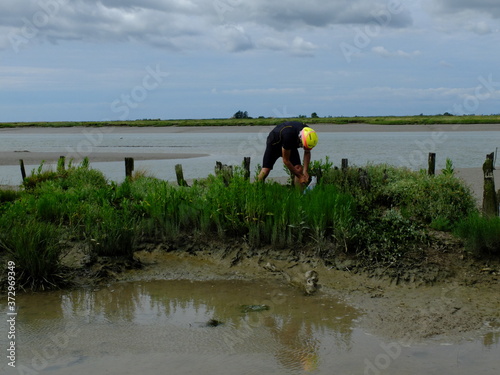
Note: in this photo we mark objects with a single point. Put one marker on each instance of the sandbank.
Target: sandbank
(34, 158)
(341, 128)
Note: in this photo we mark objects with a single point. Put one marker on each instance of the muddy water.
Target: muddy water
(160, 327)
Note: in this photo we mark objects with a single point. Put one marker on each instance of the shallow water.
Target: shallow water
(159, 327)
(465, 148)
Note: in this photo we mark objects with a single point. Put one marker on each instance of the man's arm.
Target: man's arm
(297, 172)
(307, 160)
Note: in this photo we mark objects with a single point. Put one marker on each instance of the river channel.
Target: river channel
(198, 150)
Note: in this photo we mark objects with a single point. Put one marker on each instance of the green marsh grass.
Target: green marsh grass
(480, 234)
(443, 199)
(35, 248)
(376, 120)
(262, 213)
(396, 206)
(110, 232)
(377, 213)
(8, 195)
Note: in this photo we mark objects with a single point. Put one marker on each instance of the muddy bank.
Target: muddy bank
(449, 297)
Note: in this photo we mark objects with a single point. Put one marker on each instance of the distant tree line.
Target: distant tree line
(244, 114)
(241, 114)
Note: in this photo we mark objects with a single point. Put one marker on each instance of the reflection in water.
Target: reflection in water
(291, 329)
(160, 327)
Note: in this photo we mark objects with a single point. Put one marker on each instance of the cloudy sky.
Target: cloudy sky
(72, 60)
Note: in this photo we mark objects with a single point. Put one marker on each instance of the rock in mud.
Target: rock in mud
(210, 323)
(270, 267)
(254, 308)
(213, 323)
(311, 282)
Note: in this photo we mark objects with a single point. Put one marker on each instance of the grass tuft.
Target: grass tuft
(35, 248)
(480, 234)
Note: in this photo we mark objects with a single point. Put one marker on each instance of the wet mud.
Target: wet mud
(159, 311)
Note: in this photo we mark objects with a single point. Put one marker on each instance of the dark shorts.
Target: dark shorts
(274, 152)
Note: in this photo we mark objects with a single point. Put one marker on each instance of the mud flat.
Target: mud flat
(455, 297)
(35, 158)
(324, 127)
(156, 314)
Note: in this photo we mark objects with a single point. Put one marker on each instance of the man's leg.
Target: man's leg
(272, 153)
(264, 172)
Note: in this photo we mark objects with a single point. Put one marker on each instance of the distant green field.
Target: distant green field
(385, 120)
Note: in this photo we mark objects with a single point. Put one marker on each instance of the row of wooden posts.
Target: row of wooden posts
(219, 168)
(226, 171)
(491, 198)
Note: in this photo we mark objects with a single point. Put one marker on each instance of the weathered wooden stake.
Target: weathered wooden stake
(246, 167)
(319, 175)
(226, 171)
(129, 167)
(218, 167)
(180, 175)
(490, 202)
(432, 164)
(345, 164)
(364, 179)
(23, 171)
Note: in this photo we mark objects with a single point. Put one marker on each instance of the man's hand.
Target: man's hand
(306, 175)
(304, 178)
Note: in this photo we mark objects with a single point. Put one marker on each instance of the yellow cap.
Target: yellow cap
(309, 138)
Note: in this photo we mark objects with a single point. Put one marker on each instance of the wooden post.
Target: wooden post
(319, 175)
(432, 164)
(129, 167)
(246, 167)
(364, 179)
(180, 175)
(23, 171)
(226, 171)
(218, 168)
(345, 164)
(490, 203)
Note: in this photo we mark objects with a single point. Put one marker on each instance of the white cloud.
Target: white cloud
(235, 38)
(182, 24)
(290, 14)
(297, 47)
(383, 52)
(474, 16)
(479, 27)
(99, 48)
(273, 43)
(301, 47)
(489, 7)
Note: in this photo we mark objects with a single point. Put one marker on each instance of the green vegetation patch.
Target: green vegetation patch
(480, 234)
(378, 214)
(446, 119)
